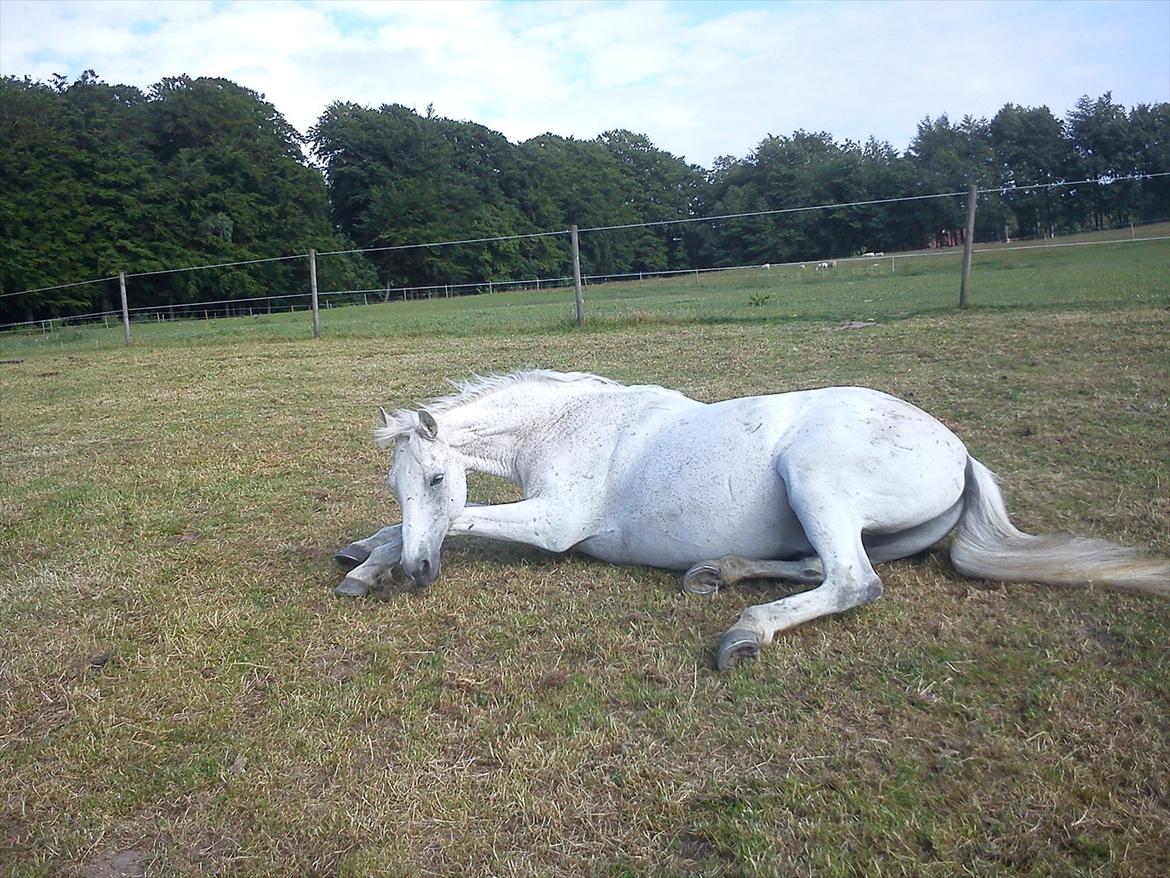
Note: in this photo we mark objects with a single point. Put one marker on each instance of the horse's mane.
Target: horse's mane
(479, 386)
(400, 422)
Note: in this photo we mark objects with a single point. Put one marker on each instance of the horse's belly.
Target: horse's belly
(682, 510)
(676, 546)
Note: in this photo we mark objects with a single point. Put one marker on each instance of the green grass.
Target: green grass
(179, 687)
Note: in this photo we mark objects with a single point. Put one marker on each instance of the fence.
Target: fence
(310, 298)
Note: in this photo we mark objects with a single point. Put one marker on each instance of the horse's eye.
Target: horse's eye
(435, 480)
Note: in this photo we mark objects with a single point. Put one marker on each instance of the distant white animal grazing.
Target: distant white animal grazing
(814, 486)
(821, 266)
(767, 266)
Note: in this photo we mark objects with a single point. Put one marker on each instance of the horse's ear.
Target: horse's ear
(385, 417)
(427, 424)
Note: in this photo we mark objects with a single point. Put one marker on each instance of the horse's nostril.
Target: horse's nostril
(424, 567)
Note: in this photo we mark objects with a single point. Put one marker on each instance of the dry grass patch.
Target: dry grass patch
(179, 688)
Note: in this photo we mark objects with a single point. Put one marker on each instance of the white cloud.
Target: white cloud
(700, 80)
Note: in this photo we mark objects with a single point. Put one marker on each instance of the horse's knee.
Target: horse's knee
(845, 594)
(870, 590)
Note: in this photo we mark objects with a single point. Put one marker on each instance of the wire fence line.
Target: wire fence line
(554, 234)
(257, 305)
(238, 306)
(1001, 190)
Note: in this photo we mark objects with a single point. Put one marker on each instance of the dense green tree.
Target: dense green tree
(1107, 141)
(70, 174)
(579, 182)
(1102, 147)
(788, 174)
(1031, 148)
(659, 187)
(1149, 128)
(97, 178)
(397, 178)
(947, 158)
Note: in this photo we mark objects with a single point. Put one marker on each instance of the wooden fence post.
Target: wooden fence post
(313, 288)
(125, 307)
(577, 276)
(964, 284)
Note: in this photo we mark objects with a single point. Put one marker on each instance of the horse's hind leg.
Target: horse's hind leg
(357, 552)
(849, 581)
(707, 577)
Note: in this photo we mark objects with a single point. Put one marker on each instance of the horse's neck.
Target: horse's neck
(493, 432)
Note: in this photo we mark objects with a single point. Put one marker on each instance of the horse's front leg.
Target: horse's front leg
(537, 522)
(358, 551)
(381, 552)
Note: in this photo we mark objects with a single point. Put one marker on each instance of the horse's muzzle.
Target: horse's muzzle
(422, 573)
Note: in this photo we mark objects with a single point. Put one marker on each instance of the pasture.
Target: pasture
(182, 694)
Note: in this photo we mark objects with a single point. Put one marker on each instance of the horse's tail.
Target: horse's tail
(988, 546)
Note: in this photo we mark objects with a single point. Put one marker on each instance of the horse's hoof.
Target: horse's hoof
(737, 645)
(351, 556)
(702, 579)
(351, 588)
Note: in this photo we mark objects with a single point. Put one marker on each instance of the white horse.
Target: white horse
(814, 486)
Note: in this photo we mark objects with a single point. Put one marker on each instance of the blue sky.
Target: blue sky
(701, 79)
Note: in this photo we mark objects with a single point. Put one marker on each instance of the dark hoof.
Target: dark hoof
(351, 556)
(351, 588)
(738, 645)
(702, 579)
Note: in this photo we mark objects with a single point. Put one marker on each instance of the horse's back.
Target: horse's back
(839, 419)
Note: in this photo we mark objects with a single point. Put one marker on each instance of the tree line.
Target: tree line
(97, 178)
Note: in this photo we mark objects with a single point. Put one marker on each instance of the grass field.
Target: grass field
(181, 694)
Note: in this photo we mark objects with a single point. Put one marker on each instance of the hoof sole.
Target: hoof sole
(702, 580)
(351, 588)
(737, 646)
(351, 556)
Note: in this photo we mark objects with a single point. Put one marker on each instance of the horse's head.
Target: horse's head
(430, 482)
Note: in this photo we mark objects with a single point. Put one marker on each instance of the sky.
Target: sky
(700, 79)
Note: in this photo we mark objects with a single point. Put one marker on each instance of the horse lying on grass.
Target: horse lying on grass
(814, 486)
